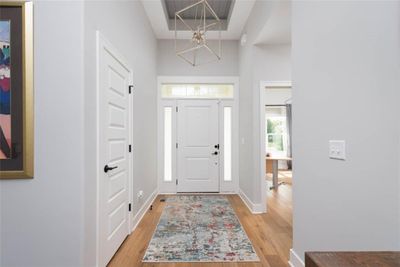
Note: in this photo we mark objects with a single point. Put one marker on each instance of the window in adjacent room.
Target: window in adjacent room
(276, 130)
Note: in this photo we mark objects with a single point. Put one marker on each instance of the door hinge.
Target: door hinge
(176, 181)
(130, 89)
(177, 145)
(129, 207)
(130, 148)
(176, 109)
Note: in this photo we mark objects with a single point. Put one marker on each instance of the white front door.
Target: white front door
(114, 79)
(198, 153)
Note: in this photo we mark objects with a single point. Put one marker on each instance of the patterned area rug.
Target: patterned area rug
(199, 228)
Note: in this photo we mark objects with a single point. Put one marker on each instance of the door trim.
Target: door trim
(226, 187)
(103, 43)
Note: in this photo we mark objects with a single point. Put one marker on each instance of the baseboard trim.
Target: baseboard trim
(142, 211)
(254, 208)
(295, 260)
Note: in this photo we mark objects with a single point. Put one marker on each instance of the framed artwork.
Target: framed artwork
(16, 90)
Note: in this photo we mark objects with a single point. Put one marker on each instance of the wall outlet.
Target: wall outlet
(140, 194)
(337, 149)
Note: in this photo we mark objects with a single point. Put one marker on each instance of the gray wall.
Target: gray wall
(41, 219)
(49, 221)
(128, 29)
(168, 64)
(346, 66)
(256, 63)
(271, 63)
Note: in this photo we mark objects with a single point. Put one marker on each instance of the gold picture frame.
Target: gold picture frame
(27, 170)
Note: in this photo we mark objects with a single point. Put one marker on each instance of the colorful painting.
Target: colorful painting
(198, 228)
(16, 90)
(5, 91)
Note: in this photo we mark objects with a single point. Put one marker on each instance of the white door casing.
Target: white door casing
(114, 78)
(198, 158)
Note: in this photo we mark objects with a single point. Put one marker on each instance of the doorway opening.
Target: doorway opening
(198, 144)
(276, 146)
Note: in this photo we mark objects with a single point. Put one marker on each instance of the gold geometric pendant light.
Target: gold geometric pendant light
(199, 19)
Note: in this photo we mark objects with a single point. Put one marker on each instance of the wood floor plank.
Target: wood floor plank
(270, 234)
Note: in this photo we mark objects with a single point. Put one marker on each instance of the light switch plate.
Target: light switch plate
(337, 149)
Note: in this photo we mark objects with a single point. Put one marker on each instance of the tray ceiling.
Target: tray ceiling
(233, 13)
(221, 7)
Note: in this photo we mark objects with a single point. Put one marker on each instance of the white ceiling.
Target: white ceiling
(277, 29)
(158, 19)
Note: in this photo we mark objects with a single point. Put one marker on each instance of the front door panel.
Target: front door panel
(198, 158)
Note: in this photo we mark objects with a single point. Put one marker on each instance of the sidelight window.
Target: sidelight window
(168, 144)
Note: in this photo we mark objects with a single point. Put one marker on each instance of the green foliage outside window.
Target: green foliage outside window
(275, 131)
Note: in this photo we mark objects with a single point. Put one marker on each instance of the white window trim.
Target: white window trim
(169, 186)
(225, 186)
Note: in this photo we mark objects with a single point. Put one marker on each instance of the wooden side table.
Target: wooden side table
(275, 161)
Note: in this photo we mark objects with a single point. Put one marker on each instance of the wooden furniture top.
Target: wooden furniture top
(352, 259)
(277, 158)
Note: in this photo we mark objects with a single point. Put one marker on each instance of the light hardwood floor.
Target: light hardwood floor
(270, 233)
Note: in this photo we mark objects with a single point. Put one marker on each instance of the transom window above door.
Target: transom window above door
(208, 91)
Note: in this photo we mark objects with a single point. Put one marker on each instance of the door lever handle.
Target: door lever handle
(107, 168)
(215, 153)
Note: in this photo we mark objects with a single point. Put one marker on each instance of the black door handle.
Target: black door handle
(107, 168)
(215, 153)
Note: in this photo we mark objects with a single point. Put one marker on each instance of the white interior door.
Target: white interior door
(114, 79)
(198, 153)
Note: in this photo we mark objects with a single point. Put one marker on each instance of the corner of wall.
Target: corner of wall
(255, 208)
